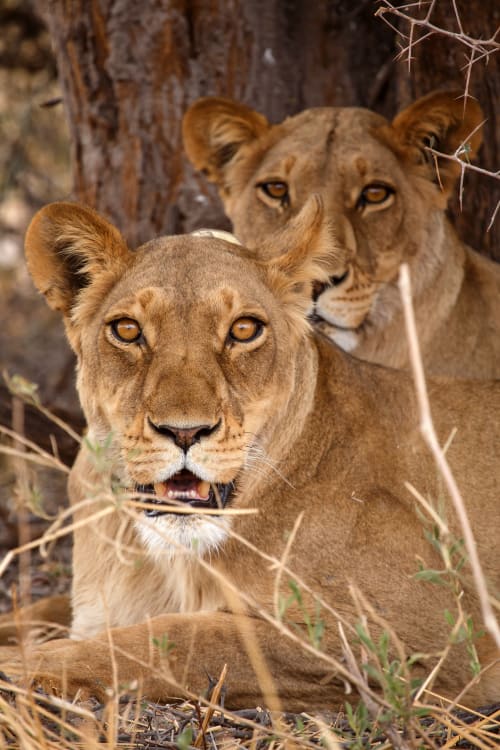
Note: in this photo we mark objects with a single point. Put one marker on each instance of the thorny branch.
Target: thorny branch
(422, 28)
(486, 47)
(460, 156)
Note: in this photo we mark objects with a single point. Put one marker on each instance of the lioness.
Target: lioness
(385, 197)
(198, 370)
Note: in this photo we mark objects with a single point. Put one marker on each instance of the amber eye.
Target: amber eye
(277, 190)
(374, 194)
(245, 329)
(126, 330)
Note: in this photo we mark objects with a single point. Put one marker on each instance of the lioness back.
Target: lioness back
(386, 203)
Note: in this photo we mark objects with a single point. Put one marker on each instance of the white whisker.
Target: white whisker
(257, 455)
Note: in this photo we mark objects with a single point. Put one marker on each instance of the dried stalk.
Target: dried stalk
(430, 437)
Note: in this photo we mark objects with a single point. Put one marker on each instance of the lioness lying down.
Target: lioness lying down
(197, 369)
(385, 200)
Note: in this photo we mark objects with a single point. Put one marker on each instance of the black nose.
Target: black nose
(185, 437)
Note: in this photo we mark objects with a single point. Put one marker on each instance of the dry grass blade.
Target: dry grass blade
(27, 392)
(216, 692)
(56, 535)
(430, 437)
(21, 492)
(480, 730)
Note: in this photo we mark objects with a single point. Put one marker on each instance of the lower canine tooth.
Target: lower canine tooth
(203, 489)
(160, 489)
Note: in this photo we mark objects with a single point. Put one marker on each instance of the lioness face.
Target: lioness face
(339, 154)
(189, 362)
(383, 198)
(179, 347)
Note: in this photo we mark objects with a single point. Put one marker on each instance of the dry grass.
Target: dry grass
(34, 719)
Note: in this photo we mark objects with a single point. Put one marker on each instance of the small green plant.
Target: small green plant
(464, 632)
(103, 459)
(163, 644)
(359, 722)
(452, 552)
(34, 500)
(392, 675)
(99, 451)
(315, 625)
(185, 738)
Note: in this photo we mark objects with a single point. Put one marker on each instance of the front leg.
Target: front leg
(47, 617)
(170, 657)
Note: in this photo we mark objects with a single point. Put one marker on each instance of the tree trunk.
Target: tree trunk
(129, 70)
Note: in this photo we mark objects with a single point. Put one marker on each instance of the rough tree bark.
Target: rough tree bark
(129, 70)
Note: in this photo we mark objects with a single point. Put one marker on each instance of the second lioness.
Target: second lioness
(386, 203)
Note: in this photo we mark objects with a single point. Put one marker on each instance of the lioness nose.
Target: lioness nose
(185, 437)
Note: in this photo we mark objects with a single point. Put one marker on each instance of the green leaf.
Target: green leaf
(299, 724)
(163, 644)
(185, 739)
(372, 672)
(318, 632)
(416, 657)
(449, 617)
(365, 638)
(295, 591)
(433, 576)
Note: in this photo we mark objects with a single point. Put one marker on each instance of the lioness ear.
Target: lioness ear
(214, 129)
(66, 245)
(302, 253)
(440, 120)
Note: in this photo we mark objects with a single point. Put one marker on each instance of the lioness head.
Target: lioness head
(384, 193)
(182, 346)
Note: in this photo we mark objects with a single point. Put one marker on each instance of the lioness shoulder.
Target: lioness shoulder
(385, 196)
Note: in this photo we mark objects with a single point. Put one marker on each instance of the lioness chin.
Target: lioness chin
(275, 467)
(385, 196)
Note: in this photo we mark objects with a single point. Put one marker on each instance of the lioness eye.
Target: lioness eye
(277, 190)
(126, 330)
(373, 194)
(245, 329)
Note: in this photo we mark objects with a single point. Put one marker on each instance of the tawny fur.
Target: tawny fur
(311, 437)
(339, 152)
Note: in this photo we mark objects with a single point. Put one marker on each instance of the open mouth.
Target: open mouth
(184, 488)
